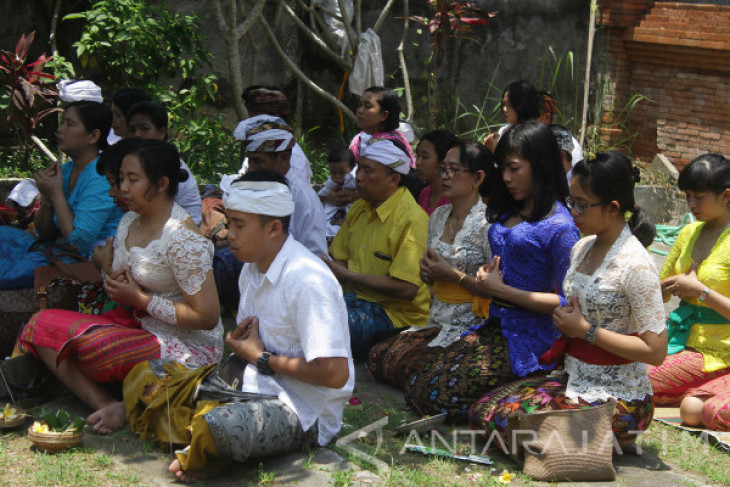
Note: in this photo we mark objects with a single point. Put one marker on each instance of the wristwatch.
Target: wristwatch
(590, 335)
(262, 364)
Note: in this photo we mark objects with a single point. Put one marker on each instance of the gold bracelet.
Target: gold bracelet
(462, 278)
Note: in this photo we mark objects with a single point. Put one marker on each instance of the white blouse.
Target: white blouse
(469, 251)
(176, 262)
(623, 295)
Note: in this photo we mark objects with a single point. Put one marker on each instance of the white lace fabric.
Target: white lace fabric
(168, 268)
(469, 251)
(623, 295)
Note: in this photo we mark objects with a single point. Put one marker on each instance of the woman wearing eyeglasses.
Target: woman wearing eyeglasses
(456, 248)
(530, 237)
(613, 324)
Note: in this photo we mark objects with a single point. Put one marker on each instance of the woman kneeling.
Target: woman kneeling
(696, 373)
(614, 323)
(162, 279)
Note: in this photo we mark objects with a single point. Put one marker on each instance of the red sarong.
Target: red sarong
(106, 347)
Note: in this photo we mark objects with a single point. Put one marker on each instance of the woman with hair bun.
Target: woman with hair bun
(162, 279)
(613, 324)
(696, 372)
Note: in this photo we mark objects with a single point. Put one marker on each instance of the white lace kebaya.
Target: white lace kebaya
(469, 251)
(174, 264)
(623, 295)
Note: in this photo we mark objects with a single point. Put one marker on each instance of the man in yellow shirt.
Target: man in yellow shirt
(376, 253)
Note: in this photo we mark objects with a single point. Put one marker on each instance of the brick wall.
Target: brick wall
(678, 55)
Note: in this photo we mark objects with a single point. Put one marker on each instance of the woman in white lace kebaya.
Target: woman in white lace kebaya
(457, 247)
(614, 323)
(162, 282)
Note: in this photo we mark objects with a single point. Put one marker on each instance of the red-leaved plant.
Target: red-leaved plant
(450, 19)
(27, 97)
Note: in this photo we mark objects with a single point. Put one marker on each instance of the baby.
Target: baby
(339, 191)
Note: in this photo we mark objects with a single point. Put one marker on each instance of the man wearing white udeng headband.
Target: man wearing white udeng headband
(291, 370)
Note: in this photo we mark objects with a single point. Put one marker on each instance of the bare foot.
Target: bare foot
(189, 476)
(109, 418)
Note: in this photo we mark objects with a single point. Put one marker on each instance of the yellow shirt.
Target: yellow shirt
(387, 241)
(713, 341)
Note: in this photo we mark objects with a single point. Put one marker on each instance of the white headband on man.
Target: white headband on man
(70, 90)
(258, 197)
(386, 153)
(245, 126)
(263, 141)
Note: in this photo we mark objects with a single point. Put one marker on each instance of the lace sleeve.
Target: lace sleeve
(191, 257)
(644, 293)
(163, 310)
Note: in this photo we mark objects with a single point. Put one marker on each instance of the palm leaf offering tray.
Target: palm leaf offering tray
(56, 431)
(11, 416)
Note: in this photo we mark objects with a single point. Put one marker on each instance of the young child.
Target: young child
(339, 190)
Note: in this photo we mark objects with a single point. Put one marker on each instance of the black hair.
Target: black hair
(154, 111)
(476, 157)
(536, 143)
(524, 100)
(708, 172)
(126, 97)
(388, 100)
(442, 141)
(94, 116)
(611, 177)
(342, 154)
(274, 177)
(158, 160)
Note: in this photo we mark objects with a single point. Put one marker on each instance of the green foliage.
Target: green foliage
(21, 161)
(134, 42)
(475, 122)
(138, 44)
(61, 422)
(205, 144)
(617, 134)
(342, 478)
(557, 77)
(317, 155)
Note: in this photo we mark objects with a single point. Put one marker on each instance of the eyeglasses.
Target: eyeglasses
(580, 208)
(448, 171)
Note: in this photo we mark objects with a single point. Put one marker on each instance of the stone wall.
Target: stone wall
(677, 54)
(515, 45)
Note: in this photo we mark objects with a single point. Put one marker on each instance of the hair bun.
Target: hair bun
(182, 175)
(636, 174)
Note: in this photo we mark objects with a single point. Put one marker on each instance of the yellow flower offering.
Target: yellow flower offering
(8, 413)
(505, 477)
(40, 427)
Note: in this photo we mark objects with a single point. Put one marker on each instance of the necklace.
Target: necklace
(453, 225)
(142, 239)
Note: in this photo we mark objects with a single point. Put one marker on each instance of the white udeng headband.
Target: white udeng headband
(258, 197)
(70, 90)
(245, 126)
(255, 141)
(387, 154)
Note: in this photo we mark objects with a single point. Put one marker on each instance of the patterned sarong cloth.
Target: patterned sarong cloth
(681, 375)
(396, 359)
(177, 405)
(490, 413)
(106, 347)
(461, 373)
